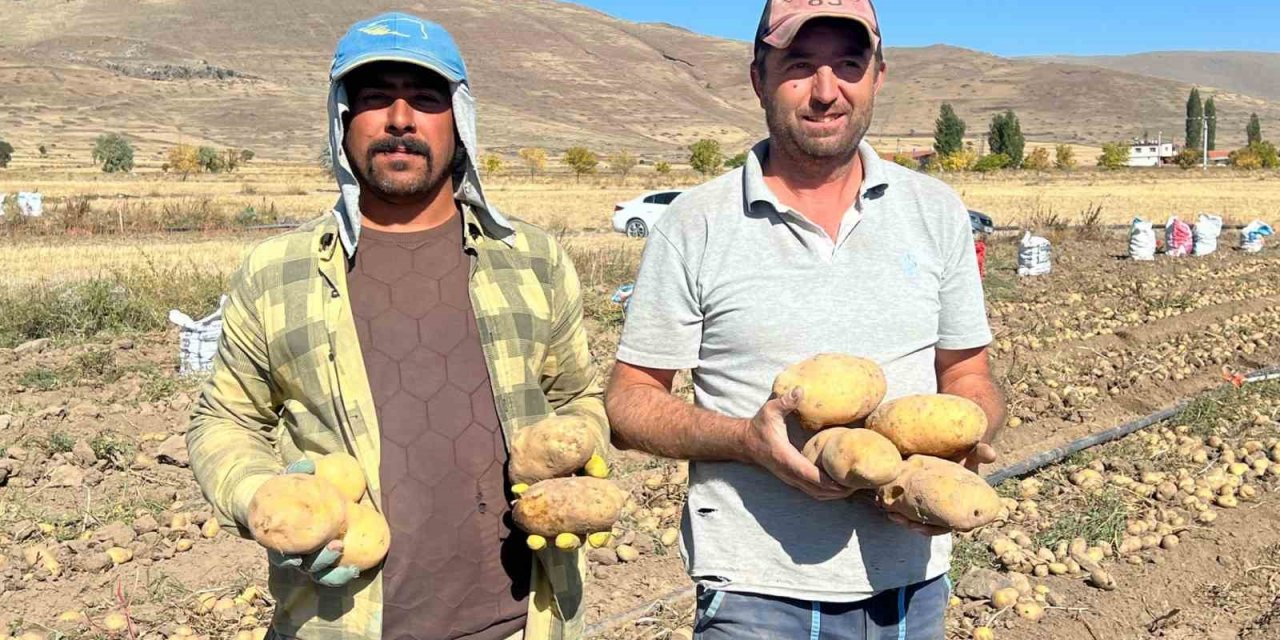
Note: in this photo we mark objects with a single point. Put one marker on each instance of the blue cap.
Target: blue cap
(399, 37)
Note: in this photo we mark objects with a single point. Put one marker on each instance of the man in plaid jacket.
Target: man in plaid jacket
(423, 354)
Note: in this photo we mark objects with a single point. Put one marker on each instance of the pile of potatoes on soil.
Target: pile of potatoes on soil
(1072, 388)
(1130, 502)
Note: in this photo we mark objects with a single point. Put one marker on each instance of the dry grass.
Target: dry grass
(580, 211)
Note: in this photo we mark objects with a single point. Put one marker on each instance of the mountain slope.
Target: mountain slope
(546, 73)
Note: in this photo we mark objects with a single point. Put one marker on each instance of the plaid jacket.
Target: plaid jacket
(289, 381)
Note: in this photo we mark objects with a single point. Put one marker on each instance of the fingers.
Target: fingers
(278, 559)
(787, 404)
(302, 466)
(597, 467)
(985, 453)
(324, 558)
(336, 576)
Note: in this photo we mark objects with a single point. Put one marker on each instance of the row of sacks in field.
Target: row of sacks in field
(1184, 239)
(30, 204)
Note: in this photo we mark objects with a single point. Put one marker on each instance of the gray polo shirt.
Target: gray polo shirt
(736, 286)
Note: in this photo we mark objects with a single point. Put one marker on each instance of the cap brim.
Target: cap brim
(782, 36)
(420, 61)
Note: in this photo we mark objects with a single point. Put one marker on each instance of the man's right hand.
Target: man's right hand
(321, 566)
(766, 444)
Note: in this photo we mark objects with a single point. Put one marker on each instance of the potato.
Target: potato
(838, 389)
(938, 492)
(297, 513)
(368, 538)
(856, 458)
(939, 425)
(579, 506)
(553, 448)
(343, 472)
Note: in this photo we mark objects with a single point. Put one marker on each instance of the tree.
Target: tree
(113, 153)
(737, 161)
(184, 160)
(535, 160)
(1064, 157)
(6, 153)
(622, 163)
(992, 162)
(1259, 155)
(231, 160)
(581, 160)
(962, 160)
(1038, 160)
(44, 151)
(246, 155)
(1254, 131)
(948, 132)
(1211, 116)
(1114, 155)
(1189, 158)
(209, 159)
(1195, 120)
(662, 167)
(491, 164)
(706, 157)
(1005, 137)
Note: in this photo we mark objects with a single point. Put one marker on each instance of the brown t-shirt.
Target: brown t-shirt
(455, 568)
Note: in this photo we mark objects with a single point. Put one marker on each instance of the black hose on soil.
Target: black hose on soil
(1051, 456)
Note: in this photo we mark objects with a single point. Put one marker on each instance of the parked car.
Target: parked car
(636, 217)
(981, 222)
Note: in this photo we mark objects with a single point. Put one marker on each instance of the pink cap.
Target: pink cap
(782, 19)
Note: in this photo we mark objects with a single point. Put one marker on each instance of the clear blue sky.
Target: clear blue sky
(1010, 27)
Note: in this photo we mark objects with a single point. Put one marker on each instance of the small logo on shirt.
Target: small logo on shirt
(910, 267)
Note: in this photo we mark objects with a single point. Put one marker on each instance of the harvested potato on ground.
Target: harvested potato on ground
(856, 458)
(939, 425)
(838, 389)
(553, 448)
(343, 472)
(580, 506)
(297, 513)
(941, 493)
(368, 538)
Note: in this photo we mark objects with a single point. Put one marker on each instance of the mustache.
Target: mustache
(396, 143)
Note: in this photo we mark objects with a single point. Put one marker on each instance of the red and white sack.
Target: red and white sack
(1178, 239)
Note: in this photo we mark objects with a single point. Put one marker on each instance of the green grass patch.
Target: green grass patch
(59, 442)
(40, 379)
(124, 302)
(1097, 517)
(966, 554)
(113, 448)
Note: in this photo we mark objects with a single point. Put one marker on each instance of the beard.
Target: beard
(398, 179)
(786, 128)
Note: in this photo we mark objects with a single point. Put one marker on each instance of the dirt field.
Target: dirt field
(91, 456)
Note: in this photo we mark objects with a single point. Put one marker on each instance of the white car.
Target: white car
(636, 217)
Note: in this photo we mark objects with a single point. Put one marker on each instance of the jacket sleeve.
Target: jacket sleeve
(234, 428)
(569, 378)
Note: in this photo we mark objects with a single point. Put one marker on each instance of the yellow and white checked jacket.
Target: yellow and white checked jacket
(289, 381)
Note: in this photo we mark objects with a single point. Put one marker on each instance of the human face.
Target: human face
(819, 93)
(400, 137)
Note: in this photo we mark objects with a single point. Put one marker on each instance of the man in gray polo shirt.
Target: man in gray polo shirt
(814, 246)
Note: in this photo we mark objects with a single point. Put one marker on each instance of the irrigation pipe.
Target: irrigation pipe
(1029, 465)
(1051, 456)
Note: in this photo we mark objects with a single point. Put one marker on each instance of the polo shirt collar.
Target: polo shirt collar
(875, 177)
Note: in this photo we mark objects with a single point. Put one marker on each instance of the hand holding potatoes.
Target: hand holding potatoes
(553, 505)
(307, 519)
